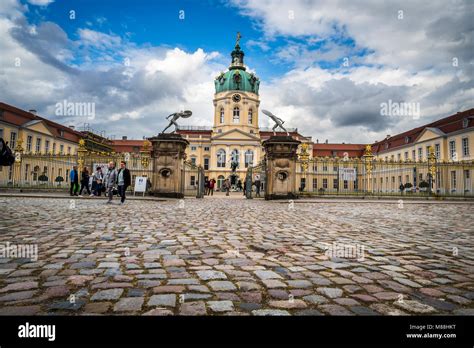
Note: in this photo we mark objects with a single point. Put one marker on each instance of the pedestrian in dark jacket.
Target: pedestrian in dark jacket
(85, 181)
(123, 180)
(74, 178)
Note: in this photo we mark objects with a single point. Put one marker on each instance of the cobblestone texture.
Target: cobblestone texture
(222, 256)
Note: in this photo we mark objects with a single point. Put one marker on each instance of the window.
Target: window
(465, 147)
(334, 168)
(236, 115)
(221, 117)
(27, 170)
(221, 158)
(453, 179)
(465, 123)
(413, 155)
(193, 160)
(325, 183)
(38, 145)
(193, 180)
(315, 184)
(1, 133)
(68, 150)
(420, 153)
(12, 141)
(61, 149)
(302, 184)
(234, 156)
(67, 175)
(406, 155)
(29, 140)
(325, 168)
(399, 157)
(407, 140)
(61, 133)
(250, 116)
(193, 148)
(346, 184)
(452, 150)
(46, 146)
(437, 151)
(206, 148)
(54, 148)
(335, 184)
(427, 151)
(206, 163)
(248, 158)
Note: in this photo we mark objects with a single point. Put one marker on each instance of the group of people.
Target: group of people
(210, 185)
(109, 182)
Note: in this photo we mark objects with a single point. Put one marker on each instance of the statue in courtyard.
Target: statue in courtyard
(174, 118)
(278, 122)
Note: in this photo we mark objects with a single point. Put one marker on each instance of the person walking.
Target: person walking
(227, 186)
(206, 187)
(74, 177)
(84, 181)
(97, 181)
(212, 184)
(257, 184)
(123, 180)
(110, 179)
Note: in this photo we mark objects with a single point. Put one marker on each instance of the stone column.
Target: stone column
(281, 167)
(168, 165)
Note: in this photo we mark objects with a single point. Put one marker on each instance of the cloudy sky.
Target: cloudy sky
(325, 66)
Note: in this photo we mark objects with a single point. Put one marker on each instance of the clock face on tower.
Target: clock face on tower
(236, 98)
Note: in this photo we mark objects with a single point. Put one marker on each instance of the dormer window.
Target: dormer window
(386, 146)
(465, 123)
(407, 140)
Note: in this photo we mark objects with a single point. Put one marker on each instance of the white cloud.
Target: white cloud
(408, 59)
(40, 2)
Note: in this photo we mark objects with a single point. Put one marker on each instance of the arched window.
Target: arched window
(248, 158)
(235, 156)
(221, 117)
(250, 116)
(221, 158)
(236, 115)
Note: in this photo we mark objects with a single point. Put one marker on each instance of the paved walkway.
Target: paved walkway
(236, 257)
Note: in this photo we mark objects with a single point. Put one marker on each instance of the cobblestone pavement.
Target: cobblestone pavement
(221, 256)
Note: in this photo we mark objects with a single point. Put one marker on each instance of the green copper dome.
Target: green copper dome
(236, 78)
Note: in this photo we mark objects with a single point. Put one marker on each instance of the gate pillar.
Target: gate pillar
(281, 167)
(168, 165)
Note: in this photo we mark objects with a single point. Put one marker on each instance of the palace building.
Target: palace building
(235, 136)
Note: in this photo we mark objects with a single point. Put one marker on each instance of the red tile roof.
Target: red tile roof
(447, 125)
(127, 145)
(338, 150)
(19, 117)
